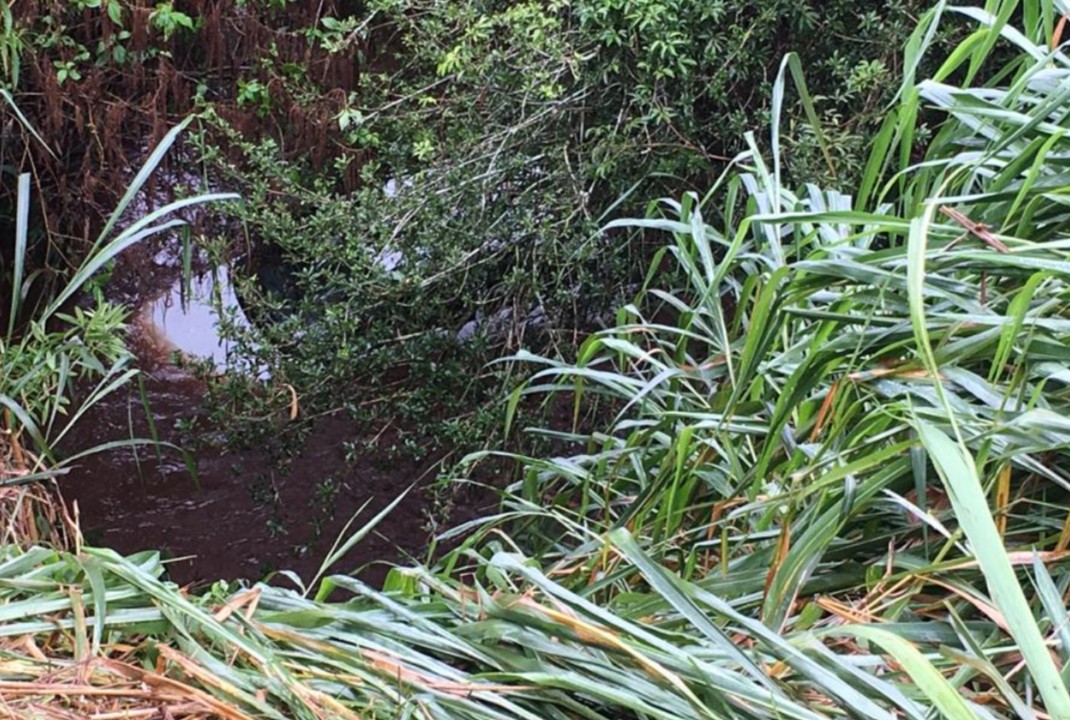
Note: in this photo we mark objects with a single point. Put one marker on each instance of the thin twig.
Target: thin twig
(978, 230)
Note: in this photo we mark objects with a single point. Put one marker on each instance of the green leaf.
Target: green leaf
(926, 677)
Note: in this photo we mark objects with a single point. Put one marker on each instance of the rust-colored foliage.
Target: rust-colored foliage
(101, 125)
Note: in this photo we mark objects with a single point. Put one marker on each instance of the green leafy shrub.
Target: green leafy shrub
(481, 148)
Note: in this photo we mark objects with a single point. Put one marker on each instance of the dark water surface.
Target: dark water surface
(241, 517)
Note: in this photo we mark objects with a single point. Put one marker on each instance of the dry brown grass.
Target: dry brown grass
(99, 688)
(30, 513)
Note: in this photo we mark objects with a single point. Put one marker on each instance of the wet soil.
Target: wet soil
(240, 515)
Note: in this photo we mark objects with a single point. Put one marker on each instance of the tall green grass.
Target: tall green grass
(820, 369)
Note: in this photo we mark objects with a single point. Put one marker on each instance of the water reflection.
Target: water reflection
(187, 323)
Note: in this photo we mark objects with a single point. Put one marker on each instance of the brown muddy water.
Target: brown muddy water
(240, 517)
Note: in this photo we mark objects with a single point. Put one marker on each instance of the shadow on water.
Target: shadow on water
(240, 517)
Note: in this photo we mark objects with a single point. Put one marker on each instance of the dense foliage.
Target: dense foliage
(475, 160)
(835, 484)
(416, 171)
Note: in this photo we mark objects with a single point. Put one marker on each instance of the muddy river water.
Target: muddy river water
(239, 516)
